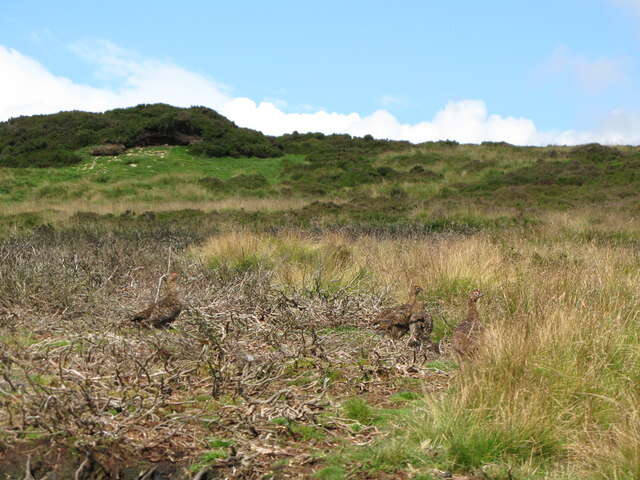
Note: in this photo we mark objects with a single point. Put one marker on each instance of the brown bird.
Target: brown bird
(160, 314)
(466, 336)
(420, 325)
(409, 317)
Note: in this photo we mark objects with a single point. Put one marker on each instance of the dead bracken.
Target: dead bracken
(100, 394)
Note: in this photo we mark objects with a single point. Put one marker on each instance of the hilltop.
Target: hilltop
(52, 140)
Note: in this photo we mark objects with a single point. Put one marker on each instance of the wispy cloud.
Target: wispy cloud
(592, 75)
(392, 100)
(29, 88)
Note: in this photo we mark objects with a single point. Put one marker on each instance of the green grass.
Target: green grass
(440, 187)
(402, 397)
(392, 453)
(219, 449)
(357, 409)
(140, 174)
(330, 473)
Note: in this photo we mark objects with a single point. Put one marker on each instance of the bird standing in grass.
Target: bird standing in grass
(409, 317)
(162, 313)
(420, 325)
(466, 336)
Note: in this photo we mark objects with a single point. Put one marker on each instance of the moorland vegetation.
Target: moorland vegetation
(287, 249)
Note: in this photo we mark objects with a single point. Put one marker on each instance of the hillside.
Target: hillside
(332, 180)
(274, 368)
(195, 155)
(50, 140)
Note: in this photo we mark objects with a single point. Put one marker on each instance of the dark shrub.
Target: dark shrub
(243, 142)
(441, 143)
(248, 181)
(108, 150)
(387, 172)
(398, 192)
(42, 159)
(238, 143)
(595, 152)
(209, 149)
(143, 125)
(496, 144)
(212, 183)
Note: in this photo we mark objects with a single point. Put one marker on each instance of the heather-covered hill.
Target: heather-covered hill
(51, 140)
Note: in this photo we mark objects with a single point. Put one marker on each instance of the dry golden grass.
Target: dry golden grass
(391, 265)
(66, 208)
(554, 391)
(556, 382)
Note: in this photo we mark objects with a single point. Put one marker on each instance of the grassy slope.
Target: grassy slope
(488, 175)
(153, 175)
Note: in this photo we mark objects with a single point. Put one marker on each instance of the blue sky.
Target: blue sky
(561, 71)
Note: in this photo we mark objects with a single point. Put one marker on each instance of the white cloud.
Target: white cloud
(593, 75)
(29, 88)
(617, 128)
(633, 5)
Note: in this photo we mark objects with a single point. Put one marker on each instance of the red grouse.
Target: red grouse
(162, 313)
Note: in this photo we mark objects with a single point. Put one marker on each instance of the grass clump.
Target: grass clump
(471, 441)
(551, 383)
(218, 450)
(401, 397)
(359, 410)
(330, 473)
(298, 262)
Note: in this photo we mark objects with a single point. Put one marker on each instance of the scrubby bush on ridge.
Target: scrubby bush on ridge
(24, 138)
(207, 133)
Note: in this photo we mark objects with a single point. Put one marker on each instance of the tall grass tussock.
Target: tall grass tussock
(553, 393)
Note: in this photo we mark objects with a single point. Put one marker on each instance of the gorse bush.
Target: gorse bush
(109, 149)
(238, 143)
(42, 159)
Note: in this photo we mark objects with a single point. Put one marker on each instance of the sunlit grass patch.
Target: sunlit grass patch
(406, 396)
(209, 458)
(359, 410)
(296, 261)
